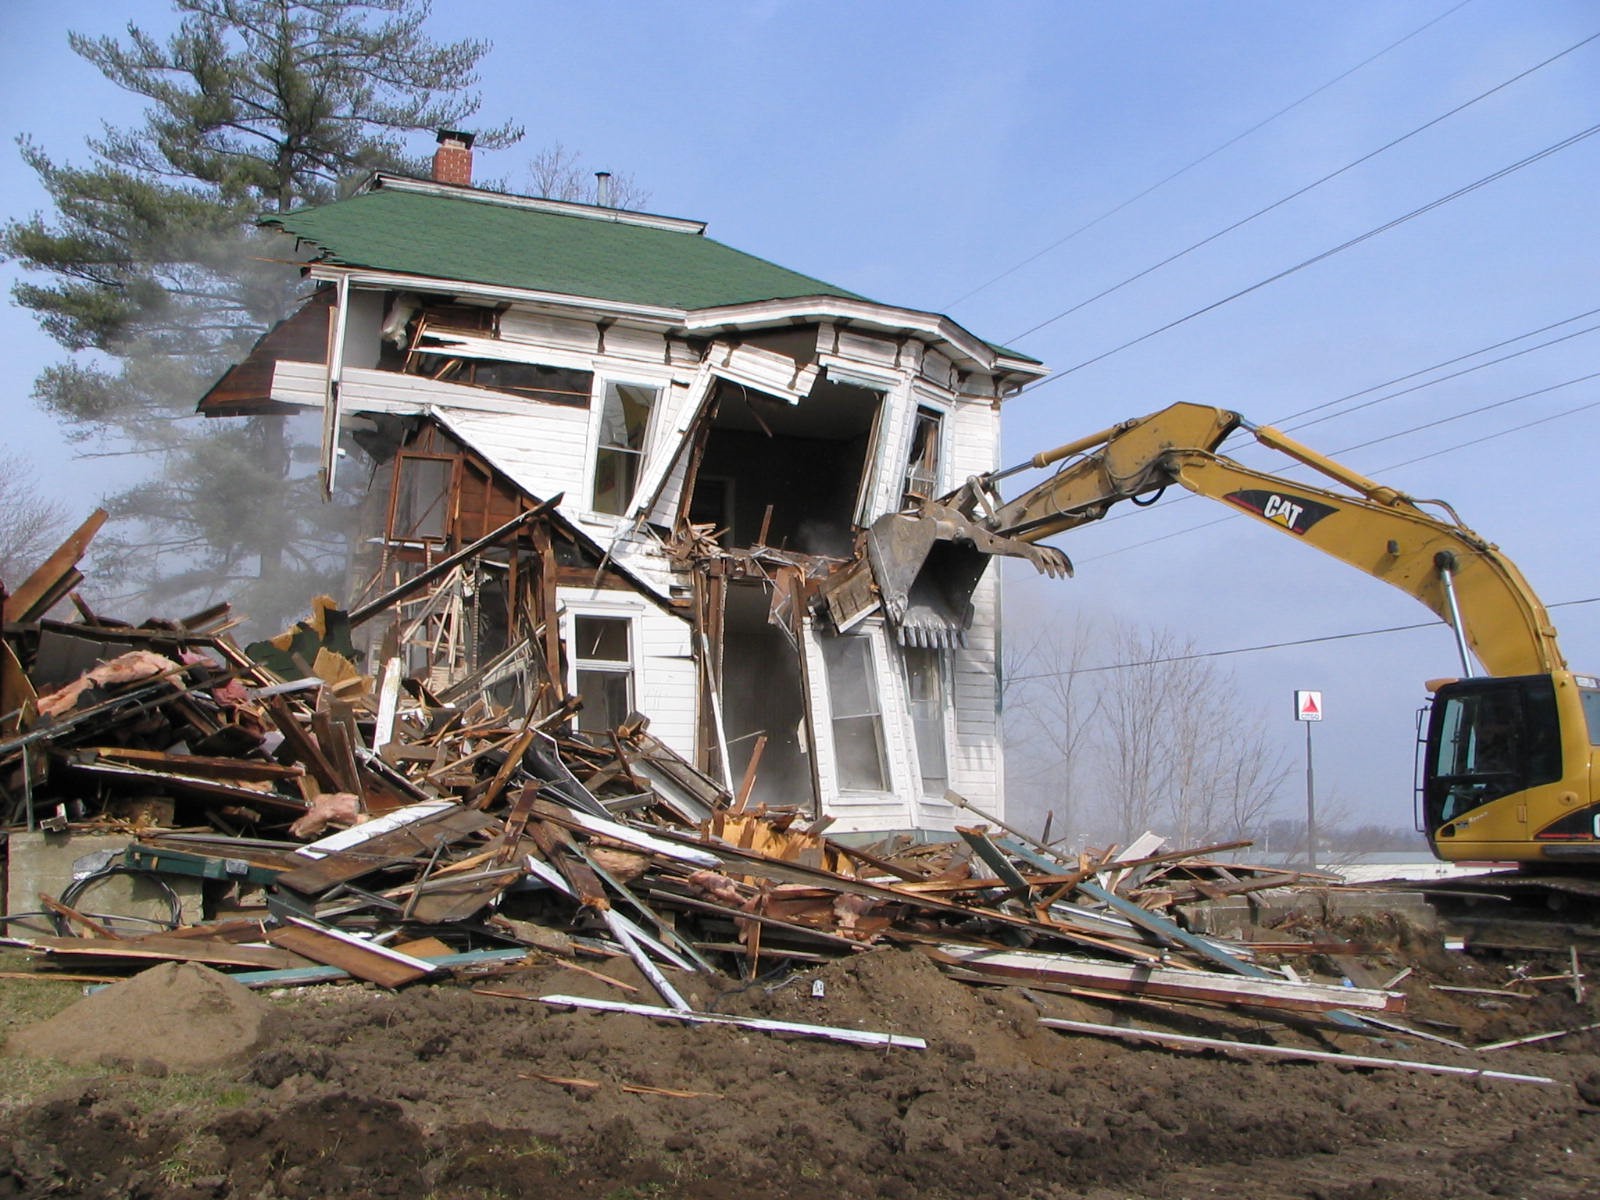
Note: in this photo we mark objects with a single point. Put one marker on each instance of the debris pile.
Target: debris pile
(338, 826)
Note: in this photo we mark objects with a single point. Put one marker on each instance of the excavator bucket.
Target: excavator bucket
(926, 564)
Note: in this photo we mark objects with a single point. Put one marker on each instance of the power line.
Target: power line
(1469, 412)
(1200, 654)
(1450, 362)
(1466, 189)
(1391, 467)
(1316, 183)
(1210, 154)
(1419, 387)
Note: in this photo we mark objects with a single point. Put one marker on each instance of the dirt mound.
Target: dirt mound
(176, 1016)
(438, 1089)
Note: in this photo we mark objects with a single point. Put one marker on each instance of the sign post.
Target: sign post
(1308, 710)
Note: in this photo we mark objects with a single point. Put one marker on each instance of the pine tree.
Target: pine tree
(157, 278)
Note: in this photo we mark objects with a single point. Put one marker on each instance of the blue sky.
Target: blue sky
(914, 151)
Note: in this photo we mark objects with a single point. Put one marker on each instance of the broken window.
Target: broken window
(602, 660)
(624, 422)
(860, 762)
(789, 476)
(454, 343)
(419, 505)
(922, 465)
(925, 688)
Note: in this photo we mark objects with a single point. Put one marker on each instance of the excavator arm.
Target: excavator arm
(1509, 768)
(936, 554)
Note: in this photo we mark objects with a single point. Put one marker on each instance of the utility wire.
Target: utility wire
(1464, 413)
(1280, 421)
(1449, 362)
(1199, 654)
(1315, 183)
(1464, 190)
(1186, 168)
(1391, 467)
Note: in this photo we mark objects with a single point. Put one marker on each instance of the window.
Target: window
(624, 422)
(857, 718)
(925, 687)
(922, 465)
(420, 503)
(602, 662)
(1488, 739)
(1591, 713)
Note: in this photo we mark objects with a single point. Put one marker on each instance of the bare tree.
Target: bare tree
(1249, 786)
(1139, 755)
(31, 526)
(557, 173)
(1050, 707)
(1156, 738)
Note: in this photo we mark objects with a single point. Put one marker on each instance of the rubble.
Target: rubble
(350, 828)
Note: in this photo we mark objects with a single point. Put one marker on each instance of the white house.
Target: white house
(719, 430)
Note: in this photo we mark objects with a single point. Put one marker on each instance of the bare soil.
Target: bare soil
(439, 1091)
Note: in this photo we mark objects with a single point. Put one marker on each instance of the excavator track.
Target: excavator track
(1516, 910)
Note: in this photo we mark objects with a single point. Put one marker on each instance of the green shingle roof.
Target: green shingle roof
(482, 241)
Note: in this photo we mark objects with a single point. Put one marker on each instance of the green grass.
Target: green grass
(25, 1002)
(25, 1079)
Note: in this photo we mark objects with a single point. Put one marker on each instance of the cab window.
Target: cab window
(1489, 740)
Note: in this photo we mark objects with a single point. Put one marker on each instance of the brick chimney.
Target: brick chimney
(452, 161)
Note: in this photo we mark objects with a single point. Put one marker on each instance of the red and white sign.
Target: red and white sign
(1308, 706)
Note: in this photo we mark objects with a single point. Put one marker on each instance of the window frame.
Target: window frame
(941, 418)
(603, 384)
(628, 614)
(397, 485)
(866, 639)
(944, 673)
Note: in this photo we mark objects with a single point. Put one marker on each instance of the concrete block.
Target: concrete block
(1234, 916)
(49, 862)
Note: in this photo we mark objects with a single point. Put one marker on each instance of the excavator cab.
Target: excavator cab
(1508, 761)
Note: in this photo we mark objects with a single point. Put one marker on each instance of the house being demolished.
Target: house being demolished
(716, 433)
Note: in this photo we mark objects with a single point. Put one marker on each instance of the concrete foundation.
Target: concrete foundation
(1234, 916)
(49, 862)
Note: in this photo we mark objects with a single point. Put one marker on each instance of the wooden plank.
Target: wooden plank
(996, 860)
(1168, 982)
(324, 974)
(158, 949)
(364, 960)
(385, 850)
(51, 580)
(553, 843)
(1288, 1052)
(200, 766)
(211, 789)
(1171, 933)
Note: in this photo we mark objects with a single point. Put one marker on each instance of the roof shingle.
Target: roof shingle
(502, 244)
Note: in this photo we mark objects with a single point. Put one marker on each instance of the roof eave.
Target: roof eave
(671, 318)
(969, 349)
(934, 326)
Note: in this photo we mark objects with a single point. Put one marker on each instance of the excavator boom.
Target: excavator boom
(1537, 799)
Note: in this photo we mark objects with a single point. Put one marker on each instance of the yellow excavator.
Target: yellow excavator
(1507, 768)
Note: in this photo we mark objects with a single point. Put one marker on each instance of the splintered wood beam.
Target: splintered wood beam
(196, 765)
(1287, 1052)
(55, 576)
(747, 785)
(445, 565)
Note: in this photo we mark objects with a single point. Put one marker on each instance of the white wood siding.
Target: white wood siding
(663, 671)
(973, 439)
